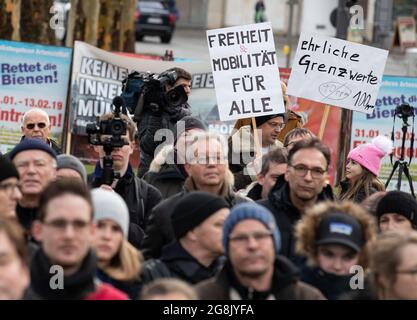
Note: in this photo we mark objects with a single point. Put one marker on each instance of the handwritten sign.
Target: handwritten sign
(337, 72)
(245, 71)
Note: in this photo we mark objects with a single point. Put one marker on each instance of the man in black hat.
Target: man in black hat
(197, 222)
(242, 148)
(36, 163)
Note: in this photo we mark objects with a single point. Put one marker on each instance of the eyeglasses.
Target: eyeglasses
(279, 126)
(242, 239)
(9, 187)
(301, 171)
(31, 126)
(61, 224)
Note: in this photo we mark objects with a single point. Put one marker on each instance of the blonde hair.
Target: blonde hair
(126, 265)
(165, 286)
(306, 229)
(385, 255)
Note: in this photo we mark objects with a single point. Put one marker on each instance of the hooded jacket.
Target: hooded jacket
(285, 286)
(167, 177)
(287, 215)
(159, 231)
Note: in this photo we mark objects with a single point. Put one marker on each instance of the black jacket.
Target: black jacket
(131, 288)
(331, 285)
(26, 216)
(140, 198)
(168, 179)
(176, 262)
(285, 286)
(149, 124)
(159, 230)
(286, 215)
(359, 196)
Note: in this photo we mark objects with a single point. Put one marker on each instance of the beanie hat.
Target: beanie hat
(109, 205)
(32, 144)
(400, 203)
(262, 119)
(193, 209)
(250, 211)
(370, 155)
(67, 161)
(7, 169)
(340, 228)
(187, 123)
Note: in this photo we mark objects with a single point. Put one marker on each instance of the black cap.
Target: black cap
(340, 228)
(7, 169)
(398, 202)
(262, 119)
(32, 144)
(193, 209)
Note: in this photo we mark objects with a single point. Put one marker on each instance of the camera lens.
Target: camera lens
(117, 127)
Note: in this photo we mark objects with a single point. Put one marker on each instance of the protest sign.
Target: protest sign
(97, 78)
(31, 76)
(245, 71)
(337, 72)
(394, 91)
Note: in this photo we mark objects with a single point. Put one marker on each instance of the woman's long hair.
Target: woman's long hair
(367, 180)
(126, 265)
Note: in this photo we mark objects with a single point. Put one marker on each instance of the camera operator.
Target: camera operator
(139, 196)
(161, 116)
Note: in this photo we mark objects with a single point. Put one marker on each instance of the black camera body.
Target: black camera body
(113, 130)
(404, 111)
(141, 89)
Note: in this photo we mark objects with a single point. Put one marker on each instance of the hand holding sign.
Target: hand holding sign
(337, 72)
(245, 71)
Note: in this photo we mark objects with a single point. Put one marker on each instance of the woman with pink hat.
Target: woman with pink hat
(362, 169)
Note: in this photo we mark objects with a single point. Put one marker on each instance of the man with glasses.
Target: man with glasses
(303, 185)
(36, 163)
(140, 196)
(242, 147)
(9, 188)
(64, 267)
(254, 270)
(207, 169)
(36, 125)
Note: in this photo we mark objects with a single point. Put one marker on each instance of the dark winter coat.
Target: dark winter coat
(331, 285)
(176, 262)
(149, 124)
(131, 288)
(360, 195)
(285, 286)
(168, 178)
(140, 198)
(287, 215)
(159, 230)
(80, 285)
(26, 216)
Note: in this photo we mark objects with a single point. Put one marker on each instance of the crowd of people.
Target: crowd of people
(251, 216)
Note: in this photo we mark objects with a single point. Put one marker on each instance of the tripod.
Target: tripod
(401, 164)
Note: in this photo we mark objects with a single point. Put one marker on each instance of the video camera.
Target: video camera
(109, 134)
(144, 89)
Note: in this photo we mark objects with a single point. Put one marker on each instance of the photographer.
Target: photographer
(161, 115)
(139, 196)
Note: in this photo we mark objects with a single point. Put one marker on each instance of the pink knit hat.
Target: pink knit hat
(369, 155)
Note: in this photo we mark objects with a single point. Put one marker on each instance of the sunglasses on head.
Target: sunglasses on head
(40, 125)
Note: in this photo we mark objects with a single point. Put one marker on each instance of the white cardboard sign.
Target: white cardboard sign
(245, 71)
(337, 72)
